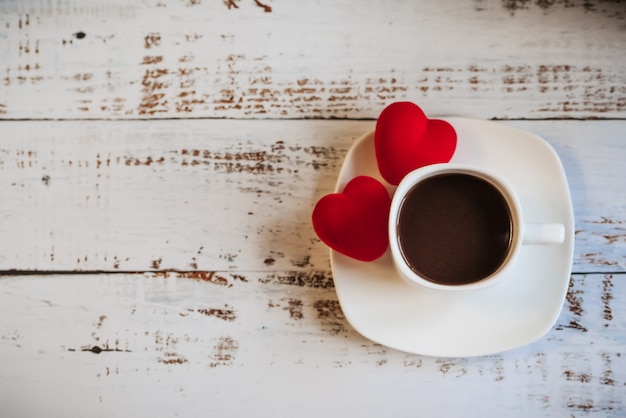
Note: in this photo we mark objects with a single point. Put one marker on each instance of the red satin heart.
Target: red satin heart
(354, 222)
(405, 139)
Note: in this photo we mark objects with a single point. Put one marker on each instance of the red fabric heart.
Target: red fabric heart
(405, 139)
(354, 222)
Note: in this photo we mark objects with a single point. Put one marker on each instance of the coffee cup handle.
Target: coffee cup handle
(543, 234)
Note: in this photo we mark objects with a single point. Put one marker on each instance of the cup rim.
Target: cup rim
(416, 176)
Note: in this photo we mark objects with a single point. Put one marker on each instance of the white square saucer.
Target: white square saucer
(521, 309)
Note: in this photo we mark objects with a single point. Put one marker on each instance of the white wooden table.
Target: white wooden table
(159, 161)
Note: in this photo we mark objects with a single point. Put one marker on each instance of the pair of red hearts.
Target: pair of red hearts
(354, 222)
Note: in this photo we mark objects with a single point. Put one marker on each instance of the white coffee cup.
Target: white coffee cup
(460, 227)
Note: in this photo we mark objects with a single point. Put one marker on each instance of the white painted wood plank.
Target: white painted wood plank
(233, 195)
(244, 344)
(176, 194)
(238, 59)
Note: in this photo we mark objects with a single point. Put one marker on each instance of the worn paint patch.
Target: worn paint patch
(223, 352)
(574, 299)
(210, 277)
(331, 316)
(234, 4)
(166, 345)
(172, 358)
(599, 260)
(152, 40)
(577, 377)
(453, 367)
(156, 264)
(294, 307)
(315, 279)
(607, 297)
(100, 322)
(225, 314)
(302, 261)
(272, 159)
(611, 9)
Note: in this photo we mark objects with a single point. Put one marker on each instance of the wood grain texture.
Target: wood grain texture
(232, 195)
(163, 263)
(173, 343)
(311, 59)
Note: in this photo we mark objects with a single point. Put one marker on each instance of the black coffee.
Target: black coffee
(454, 228)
